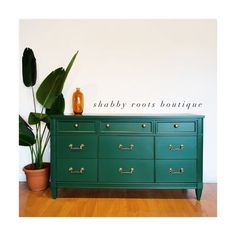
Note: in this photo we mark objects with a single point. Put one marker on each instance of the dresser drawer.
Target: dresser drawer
(117, 171)
(168, 171)
(126, 127)
(176, 147)
(73, 126)
(165, 127)
(126, 147)
(77, 170)
(76, 146)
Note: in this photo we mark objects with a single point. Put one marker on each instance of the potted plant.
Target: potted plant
(49, 95)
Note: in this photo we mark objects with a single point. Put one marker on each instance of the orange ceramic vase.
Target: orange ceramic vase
(78, 102)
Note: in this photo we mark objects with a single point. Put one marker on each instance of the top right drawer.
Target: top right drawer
(170, 127)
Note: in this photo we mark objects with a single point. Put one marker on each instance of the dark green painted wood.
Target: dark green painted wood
(198, 193)
(124, 127)
(83, 146)
(164, 175)
(118, 171)
(73, 126)
(127, 185)
(53, 166)
(169, 147)
(54, 192)
(89, 174)
(121, 117)
(102, 158)
(176, 127)
(126, 147)
(199, 160)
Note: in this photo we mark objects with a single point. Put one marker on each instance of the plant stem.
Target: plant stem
(46, 142)
(44, 129)
(42, 109)
(32, 155)
(33, 99)
(37, 147)
(41, 146)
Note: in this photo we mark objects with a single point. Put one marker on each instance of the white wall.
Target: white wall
(133, 61)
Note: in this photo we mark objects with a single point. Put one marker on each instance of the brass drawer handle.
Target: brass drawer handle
(80, 171)
(76, 125)
(130, 148)
(172, 148)
(81, 147)
(131, 171)
(176, 126)
(181, 171)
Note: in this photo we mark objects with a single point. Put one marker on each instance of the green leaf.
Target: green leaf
(35, 118)
(70, 64)
(29, 69)
(58, 106)
(26, 136)
(22, 121)
(52, 86)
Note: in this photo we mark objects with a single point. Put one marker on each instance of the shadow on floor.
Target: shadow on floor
(126, 193)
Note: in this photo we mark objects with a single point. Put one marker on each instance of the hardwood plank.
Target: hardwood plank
(114, 203)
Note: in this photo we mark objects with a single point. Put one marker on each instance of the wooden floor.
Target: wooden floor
(134, 203)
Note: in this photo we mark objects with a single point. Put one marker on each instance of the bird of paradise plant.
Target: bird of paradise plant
(49, 95)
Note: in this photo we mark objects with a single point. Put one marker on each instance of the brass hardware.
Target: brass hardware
(76, 148)
(76, 125)
(130, 148)
(144, 125)
(131, 171)
(180, 148)
(80, 171)
(107, 125)
(176, 125)
(181, 171)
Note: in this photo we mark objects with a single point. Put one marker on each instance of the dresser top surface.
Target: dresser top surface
(113, 116)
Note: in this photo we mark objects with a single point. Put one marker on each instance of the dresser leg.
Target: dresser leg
(54, 192)
(198, 193)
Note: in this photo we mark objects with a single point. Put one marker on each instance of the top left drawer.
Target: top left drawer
(73, 126)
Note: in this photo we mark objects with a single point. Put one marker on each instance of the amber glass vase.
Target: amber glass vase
(78, 102)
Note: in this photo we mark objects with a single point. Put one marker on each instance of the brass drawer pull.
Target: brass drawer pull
(131, 171)
(130, 148)
(76, 125)
(172, 148)
(181, 171)
(81, 147)
(176, 126)
(80, 171)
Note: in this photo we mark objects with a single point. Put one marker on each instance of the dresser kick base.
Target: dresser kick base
(122, 186)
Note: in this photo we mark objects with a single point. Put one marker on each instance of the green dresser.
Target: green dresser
(132, 152)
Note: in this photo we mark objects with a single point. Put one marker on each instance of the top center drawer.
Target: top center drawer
(123, 127)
